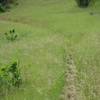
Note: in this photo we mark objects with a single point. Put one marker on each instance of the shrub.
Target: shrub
(11, 35)
(9, 76)
(83, 3)
(16, 79)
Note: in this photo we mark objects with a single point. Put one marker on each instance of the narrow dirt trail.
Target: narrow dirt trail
(70, 87)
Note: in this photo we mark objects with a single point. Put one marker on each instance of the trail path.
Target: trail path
(70, 88)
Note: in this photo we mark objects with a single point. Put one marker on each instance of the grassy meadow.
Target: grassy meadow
(47, 31)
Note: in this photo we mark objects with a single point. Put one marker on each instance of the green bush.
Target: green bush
(16, 79)
(11, 35)
(9, 77)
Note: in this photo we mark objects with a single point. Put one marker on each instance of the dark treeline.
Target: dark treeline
(5, 4)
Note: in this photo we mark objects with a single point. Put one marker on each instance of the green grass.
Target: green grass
(45, 29)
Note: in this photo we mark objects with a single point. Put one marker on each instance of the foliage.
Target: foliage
(83, 3)
(2, 8)
(9, 76)
(11, 35)
(5, 4)
(13, 69)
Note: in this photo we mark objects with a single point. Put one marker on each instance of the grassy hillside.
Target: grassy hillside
(46, 28)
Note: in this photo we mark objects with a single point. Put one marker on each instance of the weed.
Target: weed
(11, 35)
(10, 76)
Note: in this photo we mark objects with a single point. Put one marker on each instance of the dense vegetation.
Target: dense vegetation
(83, 3)
(5, 4)
(9, 77)
(58, 46)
